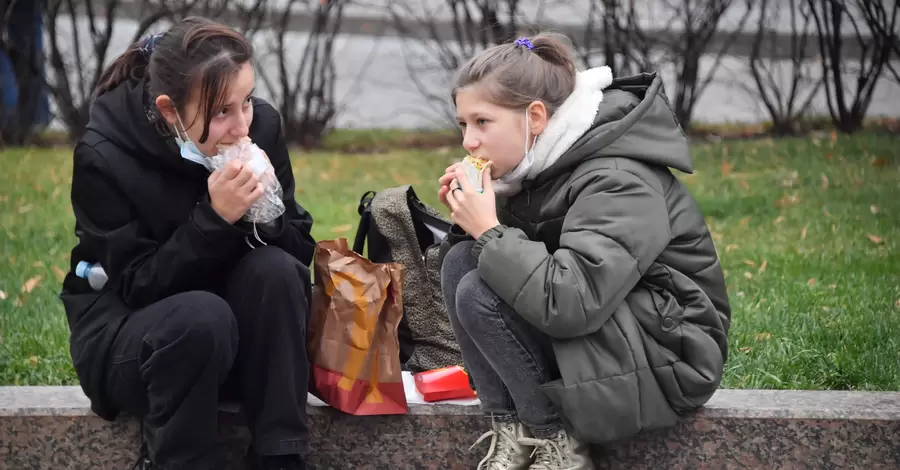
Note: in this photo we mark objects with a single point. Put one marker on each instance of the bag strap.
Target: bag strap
(365, 221)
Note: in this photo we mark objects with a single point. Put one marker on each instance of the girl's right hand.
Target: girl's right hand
(233, 189)
(445, 180)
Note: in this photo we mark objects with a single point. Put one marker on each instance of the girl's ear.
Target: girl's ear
(537, 116)
(167, 109)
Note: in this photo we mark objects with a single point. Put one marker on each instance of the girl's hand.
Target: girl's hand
(444, 181)
(473, 212)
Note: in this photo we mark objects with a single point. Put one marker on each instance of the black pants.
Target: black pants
(171, 362)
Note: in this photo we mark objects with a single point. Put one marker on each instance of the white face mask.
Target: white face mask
(189, 150)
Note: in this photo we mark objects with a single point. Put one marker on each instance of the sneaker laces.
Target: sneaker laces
(503, 443)
(547, 454)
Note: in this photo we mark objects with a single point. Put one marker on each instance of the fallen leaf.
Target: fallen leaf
(741, 294)
(833, 137)
(787, 200)
(833, 286)
(897, 303)
(748, 274)
(731, 247)
(26, 208)
(879, 162)
(826, 309)
(3, 295)
(745, 221)
(60, 274)
(726, 168)
(763, 266)
(875, 239)
(750, 262)
(745, 349)
(811, 282)
(342, 228)
(826, 213)
(803, 234)
(763, 336)
(716, 236)
(56, 192)
(4, 198)
(824, 182)
(874, 209)
(779, 219)
(745, 184)
(31, 284)
(33, 361)
(325, 176)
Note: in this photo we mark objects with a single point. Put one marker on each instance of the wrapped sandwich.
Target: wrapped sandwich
(270, 206)
(474, 169)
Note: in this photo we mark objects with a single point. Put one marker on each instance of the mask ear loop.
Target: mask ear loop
(255, 235)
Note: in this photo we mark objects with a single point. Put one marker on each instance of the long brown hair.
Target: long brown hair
(195, 55)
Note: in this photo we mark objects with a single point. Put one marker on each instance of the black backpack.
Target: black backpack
(402, 229)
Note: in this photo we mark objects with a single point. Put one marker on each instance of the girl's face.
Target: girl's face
(228, 124)
(496, 133)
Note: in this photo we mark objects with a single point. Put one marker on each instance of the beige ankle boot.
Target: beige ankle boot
(506, 451)
(562, 452)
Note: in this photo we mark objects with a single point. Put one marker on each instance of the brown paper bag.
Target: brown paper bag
(353, 346)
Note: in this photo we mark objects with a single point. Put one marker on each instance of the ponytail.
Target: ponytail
(131, 64)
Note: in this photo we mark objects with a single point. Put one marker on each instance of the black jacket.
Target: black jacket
(143, 213)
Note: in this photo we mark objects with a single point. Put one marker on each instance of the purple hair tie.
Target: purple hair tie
(525, 42)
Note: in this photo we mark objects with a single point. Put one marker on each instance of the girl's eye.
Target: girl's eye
(223, 113)
(481, 122)
(462, 124)
(247, 101)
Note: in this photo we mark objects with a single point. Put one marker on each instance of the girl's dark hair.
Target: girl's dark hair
(195, 54)
(513, 75)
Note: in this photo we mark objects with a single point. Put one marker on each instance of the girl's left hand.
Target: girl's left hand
(473, 212)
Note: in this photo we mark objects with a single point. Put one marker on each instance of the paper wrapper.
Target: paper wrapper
(353, 346)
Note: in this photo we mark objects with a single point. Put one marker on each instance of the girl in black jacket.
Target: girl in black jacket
(200, 304)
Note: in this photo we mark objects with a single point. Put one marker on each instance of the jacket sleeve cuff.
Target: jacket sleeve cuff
(494, 232)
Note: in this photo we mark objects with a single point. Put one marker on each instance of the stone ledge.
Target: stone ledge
(52, 427)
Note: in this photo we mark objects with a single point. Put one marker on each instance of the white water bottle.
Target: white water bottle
(94, 274)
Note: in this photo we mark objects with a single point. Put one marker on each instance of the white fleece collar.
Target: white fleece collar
(571, 121)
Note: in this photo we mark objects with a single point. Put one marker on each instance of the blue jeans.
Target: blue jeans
(507, 357)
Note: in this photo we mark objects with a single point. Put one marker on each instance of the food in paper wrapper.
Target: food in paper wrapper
(268, 207)
(474, 168)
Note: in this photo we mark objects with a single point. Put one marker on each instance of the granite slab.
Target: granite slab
(52, 427)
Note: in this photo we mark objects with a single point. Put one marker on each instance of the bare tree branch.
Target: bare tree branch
(474, 25)
(305, 93)
(848, 110)
(767, 68)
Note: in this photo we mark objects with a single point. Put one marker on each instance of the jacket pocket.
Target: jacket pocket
(613, 408)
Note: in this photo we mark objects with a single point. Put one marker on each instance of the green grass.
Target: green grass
(812, 266)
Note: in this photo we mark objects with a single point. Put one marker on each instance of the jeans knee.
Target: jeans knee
(206, 326)
(474, 299)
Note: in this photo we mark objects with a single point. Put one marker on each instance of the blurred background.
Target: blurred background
(774, 66)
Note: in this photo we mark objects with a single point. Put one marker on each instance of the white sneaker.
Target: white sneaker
(562, 452)
(506, 451)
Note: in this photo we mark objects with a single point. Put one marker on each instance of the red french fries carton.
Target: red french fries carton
(448, 383)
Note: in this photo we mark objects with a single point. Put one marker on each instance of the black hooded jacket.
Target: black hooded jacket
(143, 213)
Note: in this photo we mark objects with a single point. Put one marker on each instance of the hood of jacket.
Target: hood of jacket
(125, 117)
(633, 120)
